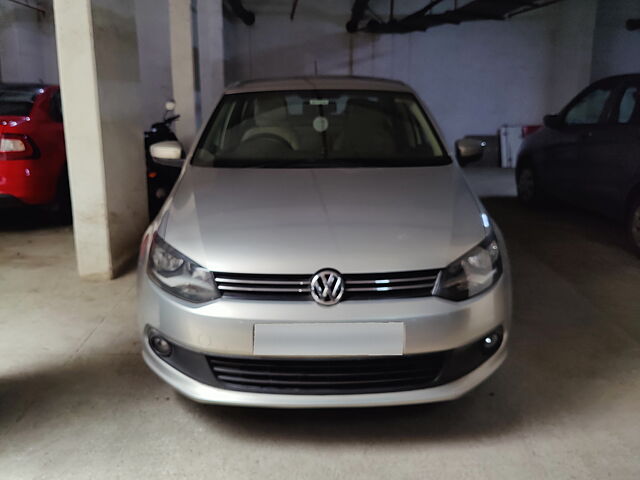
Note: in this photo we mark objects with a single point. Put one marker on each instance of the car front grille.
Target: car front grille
(362, 286)
(328, 376)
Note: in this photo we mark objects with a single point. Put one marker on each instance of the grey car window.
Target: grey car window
(319, 129)
(629, 110)
(17, 101)
(589, 109)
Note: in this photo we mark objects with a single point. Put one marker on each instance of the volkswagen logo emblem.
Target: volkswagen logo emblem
(327, 287)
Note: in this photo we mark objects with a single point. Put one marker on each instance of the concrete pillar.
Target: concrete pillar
(211, 54)
(182, 70)
(98, 63)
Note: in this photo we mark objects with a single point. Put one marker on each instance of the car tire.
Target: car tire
(528, 187)
(634, 223)
(59, 210)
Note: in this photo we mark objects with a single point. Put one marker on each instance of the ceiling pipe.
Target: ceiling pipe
(247, 16)
(357, 14)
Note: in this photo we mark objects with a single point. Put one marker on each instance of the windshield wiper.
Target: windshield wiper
(264, 164)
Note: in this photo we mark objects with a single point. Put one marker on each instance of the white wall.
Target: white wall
(474, 77)
(211, 54)
(27, 43)
(616, 50)
(152, 25)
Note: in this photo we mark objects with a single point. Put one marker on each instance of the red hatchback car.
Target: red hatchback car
(32, 154)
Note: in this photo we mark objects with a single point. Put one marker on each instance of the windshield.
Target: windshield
(17, 101)
(319, 129)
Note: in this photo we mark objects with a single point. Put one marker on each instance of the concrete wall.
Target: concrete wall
(27, 43)
(211, 54)
(616, 50)
(152, 25)
(153, 20)
(474, 77)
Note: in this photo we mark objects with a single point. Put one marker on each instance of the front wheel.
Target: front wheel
(59, 211)
(634, 223)
(528, 187)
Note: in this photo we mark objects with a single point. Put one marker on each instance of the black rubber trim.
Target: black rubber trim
(332, 376)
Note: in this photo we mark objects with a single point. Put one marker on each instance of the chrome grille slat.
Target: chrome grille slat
(392, 280)
(261, 282)
(261, 289)
(415, 286)
(358, 286)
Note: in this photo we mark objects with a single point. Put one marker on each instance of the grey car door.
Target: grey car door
(589, 110)
(611, 154)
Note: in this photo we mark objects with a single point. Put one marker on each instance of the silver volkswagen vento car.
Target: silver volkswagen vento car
(322, 249)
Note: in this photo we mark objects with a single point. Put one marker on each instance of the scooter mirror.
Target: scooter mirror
(170, 106)
(167, 153)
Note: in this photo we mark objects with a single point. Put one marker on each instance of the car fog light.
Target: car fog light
(160, 345)
(493, 340)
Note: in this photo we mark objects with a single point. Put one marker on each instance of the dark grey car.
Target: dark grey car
(589, 154)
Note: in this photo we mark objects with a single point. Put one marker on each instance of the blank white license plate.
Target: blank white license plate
(328, 339)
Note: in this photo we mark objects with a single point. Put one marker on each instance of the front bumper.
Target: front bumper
(226, 327)
(203, 393)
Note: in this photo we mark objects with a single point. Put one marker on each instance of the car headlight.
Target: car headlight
(178, 275)
(473, 273)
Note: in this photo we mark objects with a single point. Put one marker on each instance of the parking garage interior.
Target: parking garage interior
(76, 398)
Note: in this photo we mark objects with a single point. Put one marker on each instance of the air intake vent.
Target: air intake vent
(328, 376)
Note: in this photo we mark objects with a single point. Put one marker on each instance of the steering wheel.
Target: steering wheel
(270, 137)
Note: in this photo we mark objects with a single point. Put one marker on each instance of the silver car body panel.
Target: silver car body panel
(298, 221)
(302, 220)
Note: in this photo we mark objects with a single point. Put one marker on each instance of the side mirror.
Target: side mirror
(167, 153)
(553, 121)
(469, 150)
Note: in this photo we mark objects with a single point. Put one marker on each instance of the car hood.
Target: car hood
(299, 221)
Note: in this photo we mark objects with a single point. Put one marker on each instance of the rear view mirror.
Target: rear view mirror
(553, 121)
(167, 153)
(469, 150)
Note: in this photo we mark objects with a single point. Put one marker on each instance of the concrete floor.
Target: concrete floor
(77, 402)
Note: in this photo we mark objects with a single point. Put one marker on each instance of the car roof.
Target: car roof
(22, 86)
(325, 82)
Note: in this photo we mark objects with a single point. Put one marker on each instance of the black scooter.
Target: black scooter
(160, 178)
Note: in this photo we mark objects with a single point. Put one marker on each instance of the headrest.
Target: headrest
(270, 110)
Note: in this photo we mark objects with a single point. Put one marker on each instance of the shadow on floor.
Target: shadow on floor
(28, 218)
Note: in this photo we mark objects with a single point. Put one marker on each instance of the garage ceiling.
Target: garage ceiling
(363, 18)
(459, 11)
